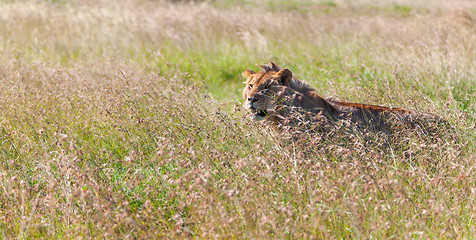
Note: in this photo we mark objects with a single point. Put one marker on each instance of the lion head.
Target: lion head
(274, 88)
(265, 89)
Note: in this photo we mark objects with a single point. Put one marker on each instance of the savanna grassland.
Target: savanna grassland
(123, 119)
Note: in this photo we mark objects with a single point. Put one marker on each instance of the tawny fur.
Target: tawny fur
(273, 86)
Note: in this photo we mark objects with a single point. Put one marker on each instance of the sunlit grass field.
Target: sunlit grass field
(123, 119)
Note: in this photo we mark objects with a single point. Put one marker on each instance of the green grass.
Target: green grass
(124, 120)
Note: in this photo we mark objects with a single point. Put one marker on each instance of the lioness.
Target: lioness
(272, 87)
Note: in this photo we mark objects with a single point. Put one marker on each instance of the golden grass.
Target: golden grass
(114, 123)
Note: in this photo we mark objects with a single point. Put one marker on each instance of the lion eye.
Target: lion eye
(251, 86)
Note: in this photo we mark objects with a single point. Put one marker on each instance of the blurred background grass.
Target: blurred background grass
(349, 44)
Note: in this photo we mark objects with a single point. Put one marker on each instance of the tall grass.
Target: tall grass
(122, 119)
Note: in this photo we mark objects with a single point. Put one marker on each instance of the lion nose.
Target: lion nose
(252, 99)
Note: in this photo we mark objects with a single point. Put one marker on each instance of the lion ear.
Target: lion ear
(284, 76)
(274, 66)
(247, 73)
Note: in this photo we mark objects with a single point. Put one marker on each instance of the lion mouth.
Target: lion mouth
(260, 113)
